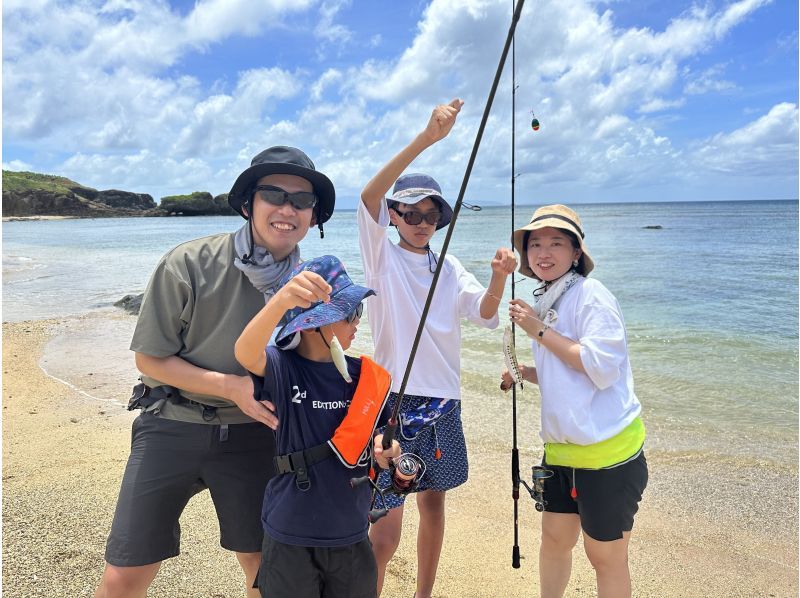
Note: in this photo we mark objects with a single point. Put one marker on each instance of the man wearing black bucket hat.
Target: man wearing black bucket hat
(200, 425)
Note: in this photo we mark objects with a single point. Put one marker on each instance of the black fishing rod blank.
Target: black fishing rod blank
(514, 450)
(391, 427)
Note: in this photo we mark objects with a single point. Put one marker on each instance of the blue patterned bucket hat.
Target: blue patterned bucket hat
(413, 188)
(345, 297)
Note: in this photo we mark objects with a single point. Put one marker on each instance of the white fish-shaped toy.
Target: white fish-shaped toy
(510, 356)
(338, 359)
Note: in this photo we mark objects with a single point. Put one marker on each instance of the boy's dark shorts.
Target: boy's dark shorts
(289, 571)
(170, 462)
(607, 499)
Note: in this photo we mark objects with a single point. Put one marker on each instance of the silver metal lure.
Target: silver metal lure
(510, 356)
(338, 359)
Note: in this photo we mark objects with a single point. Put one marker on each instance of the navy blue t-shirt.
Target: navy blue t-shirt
(311, 399)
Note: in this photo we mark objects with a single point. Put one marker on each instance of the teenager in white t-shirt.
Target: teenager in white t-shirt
(401, 274)
(590, 414)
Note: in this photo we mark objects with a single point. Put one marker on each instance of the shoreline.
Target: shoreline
(708, 525)
(41, 217)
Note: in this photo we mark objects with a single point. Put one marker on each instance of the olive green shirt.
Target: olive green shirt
(195, 306)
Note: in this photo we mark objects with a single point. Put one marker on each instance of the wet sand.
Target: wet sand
(708, 525)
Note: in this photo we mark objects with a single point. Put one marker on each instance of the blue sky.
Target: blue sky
(638, 100)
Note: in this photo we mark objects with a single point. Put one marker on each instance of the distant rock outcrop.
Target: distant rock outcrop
(32, 194)
(199, 203)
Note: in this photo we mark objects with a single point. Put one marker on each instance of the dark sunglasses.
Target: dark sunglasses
(413, 217)
(302, 200)
(355, 314)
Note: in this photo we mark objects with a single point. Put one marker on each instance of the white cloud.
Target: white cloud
(328, 78)
(760, 148)
(659, 104)
(140, 172)
(16, 165)
(103, 83)
(708, 81)
(327, 29)
(585, 79)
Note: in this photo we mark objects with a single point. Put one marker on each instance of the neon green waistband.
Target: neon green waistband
(600, 454)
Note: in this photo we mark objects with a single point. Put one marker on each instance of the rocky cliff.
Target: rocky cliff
(32, 194)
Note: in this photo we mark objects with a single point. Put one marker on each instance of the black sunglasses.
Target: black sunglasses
(355, 314)
(302, 200)
(413, 217)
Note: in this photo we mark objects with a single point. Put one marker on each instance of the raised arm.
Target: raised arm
(441, 121)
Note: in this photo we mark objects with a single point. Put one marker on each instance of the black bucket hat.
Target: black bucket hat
(282, 159)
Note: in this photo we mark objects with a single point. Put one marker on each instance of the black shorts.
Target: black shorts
(289, 571)
(170, 462)
(606, 500)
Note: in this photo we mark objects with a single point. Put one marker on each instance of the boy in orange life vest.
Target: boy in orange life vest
(328, 406)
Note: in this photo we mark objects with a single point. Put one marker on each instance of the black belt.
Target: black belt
(299, 462)
(151, 398)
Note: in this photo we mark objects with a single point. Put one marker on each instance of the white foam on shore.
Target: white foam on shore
(90, 355)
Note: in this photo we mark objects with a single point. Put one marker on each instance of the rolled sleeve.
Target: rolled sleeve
(470, 295)
(603, 344)
(372, 236)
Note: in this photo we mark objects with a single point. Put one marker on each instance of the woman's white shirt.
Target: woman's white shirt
(402, 280)
(587, 408)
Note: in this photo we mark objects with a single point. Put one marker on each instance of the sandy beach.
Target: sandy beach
(707, 527)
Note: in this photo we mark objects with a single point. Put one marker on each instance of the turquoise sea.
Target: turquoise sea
(710, 301)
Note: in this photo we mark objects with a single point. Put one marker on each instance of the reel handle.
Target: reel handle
(356, 482)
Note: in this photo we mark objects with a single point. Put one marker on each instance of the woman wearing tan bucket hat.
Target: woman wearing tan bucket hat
(590, 416)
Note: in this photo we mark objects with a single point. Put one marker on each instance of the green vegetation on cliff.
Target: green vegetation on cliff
(29, 181)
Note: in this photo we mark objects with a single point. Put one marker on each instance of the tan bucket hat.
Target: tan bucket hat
(555, 216)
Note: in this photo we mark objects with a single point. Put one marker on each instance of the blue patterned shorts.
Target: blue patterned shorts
(447, 472)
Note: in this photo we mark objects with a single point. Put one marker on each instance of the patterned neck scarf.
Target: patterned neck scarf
(261, 269)
(545, 297)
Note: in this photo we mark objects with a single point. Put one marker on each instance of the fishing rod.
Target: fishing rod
(391, 427)
(538, 473)
(514, 450)
(408, 469)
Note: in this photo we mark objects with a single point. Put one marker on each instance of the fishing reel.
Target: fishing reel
(538, 475)
(405, 474)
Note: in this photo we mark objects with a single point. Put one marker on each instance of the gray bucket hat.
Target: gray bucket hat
(413, 188)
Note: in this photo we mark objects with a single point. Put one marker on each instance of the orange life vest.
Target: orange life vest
(353, 437)
(352, 440)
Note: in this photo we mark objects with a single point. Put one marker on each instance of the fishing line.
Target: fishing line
(391, 427)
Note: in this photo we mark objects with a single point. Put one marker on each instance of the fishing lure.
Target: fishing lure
(510, 356)
(338, 359)
(534, 122)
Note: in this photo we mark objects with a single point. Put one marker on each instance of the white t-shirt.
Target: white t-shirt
(402, 280)
(586, 408)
